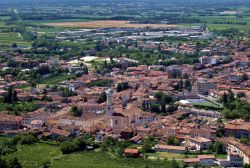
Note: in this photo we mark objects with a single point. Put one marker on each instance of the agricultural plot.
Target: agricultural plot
(57, 79)
(50, 153)
(10, 38)
(106, 24)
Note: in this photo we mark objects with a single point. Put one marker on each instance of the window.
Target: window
(116, 122)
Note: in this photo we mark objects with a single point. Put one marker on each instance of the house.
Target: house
(36, 124)
(93, 107)
(202, 132)
(136, 139)
(168, 148)
(205, 113)
(131, 152)
(237, 128)
(204, 86)
(233, 160)
(205, 160)
(199, 143)
(235, 147)
(191, 161)
(40, 114)
(55, 133)
(127, 133)
(9, 122)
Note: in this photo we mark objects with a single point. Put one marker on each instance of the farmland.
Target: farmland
(107, 24)
(49, 153)
(10, 38)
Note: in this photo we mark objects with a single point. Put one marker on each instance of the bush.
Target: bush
(13, 163)
(28, 139)
(122, 86)
(77, 144)
(76, 111)
(7, 146)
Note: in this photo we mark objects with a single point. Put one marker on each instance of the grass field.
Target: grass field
(34, 156)
(57, 79)
(18, 106)
(105, 24)
(10, 38)
(207, 104)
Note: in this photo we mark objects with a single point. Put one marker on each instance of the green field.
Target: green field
(10, 38)
(206, 104)
(18, 107)
(57, 79)
(34, 156)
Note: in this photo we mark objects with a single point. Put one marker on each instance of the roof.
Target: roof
(9, 118)
(200, 139)
(131, 151)
(37, 122)
(206, 157)
(238, 125)
(232, 141)
(191, 160)
(168, 147)
(60, 132)
(136, 138)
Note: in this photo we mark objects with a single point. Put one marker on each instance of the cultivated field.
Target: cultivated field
(34, 156)
(9, 38)
(106, 24)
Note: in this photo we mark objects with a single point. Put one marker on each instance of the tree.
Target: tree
(14, 45)
(11, 95)
(244, 140)
(76, 111)
(246, 166)
(33, 84)
(3, 163)
(122, 86)
(174, 164)
(27, 139)
(1, 99)
(13, 163)
(218, 148)
(102, 98)
(173, 141)
(85, 99)
(240, 95)
(244, 77)
(188, 85)
(148, 143)
(220, 132)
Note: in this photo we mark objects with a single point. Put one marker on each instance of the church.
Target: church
(130, 117)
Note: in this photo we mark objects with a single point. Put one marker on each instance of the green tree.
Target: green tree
(148, 143)
(244, 77)
(14, 45)
(244, 140)
(102, 98)
(76, 111)
(3, 163)
(218, 148)
(28, 139)
(173, 141)
(13, 163)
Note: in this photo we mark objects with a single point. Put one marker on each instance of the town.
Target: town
(173, 94)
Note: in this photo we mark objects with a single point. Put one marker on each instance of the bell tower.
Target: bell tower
(110, 107)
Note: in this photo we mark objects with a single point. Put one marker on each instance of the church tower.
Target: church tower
(110, 107)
